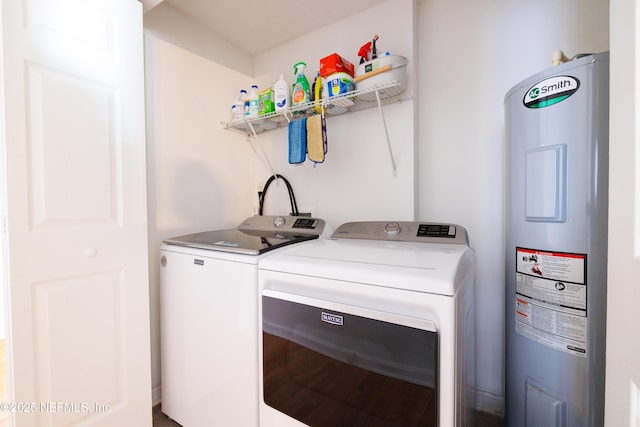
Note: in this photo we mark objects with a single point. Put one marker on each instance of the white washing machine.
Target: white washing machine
(374, 326)
(209, 318)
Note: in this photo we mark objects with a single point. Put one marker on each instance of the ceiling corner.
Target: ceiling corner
(147, 5)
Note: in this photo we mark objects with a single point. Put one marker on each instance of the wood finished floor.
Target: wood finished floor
(484, 419)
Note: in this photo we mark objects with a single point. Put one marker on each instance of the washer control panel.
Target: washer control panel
(306, 223)
(291, 224)
(403, 231)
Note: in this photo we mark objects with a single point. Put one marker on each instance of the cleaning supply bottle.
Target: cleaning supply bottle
(281, 94)
(237, 109)
(254, 95)
(316, 92)
(313, 86)
(300, 92)
(246, 106)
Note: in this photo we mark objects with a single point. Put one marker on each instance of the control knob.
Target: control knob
(392, 228)
(278, 221)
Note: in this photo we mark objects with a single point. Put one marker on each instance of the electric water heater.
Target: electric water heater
(557, 130)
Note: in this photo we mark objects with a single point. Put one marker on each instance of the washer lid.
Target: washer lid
(255, 235)
(243, 242)
(431, 267)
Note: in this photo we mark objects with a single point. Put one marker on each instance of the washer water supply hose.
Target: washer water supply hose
(263, 193)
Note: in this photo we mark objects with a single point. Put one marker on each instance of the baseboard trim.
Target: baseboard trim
(489, 402)
(156, 395)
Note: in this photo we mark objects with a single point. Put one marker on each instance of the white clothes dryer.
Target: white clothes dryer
(374, 326)
(209, 318)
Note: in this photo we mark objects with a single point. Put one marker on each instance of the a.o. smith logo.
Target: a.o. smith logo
(551, 91)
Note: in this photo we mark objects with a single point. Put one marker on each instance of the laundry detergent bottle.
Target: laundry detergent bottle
(281, 94)
(300, 92)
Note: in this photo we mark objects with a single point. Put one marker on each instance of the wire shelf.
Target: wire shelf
(356, 100)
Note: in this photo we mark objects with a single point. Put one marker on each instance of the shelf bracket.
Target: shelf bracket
(263, 158)
(384, 123)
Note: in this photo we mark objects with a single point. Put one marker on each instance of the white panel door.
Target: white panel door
(622, 399)
(74, 147)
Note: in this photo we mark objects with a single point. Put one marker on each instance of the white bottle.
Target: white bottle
(233, 113)
(252, 113)
(281, 94)
(237, 110)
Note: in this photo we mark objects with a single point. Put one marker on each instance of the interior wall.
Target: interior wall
(166, 23)
(470, 55)
(198, 176)
(4, 291)
(356, 181)
(622, 389)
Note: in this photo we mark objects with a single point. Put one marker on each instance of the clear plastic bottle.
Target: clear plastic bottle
(233, 112)
(237, 109)
(252, 113)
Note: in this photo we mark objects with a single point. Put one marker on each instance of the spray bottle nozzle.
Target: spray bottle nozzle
(299, 68)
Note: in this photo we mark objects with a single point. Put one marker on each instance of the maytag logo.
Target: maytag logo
(551, 91)
(334, 319)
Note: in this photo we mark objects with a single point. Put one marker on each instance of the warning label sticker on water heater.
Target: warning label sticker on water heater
(551, 299)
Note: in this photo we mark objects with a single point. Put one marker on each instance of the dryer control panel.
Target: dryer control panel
(403, 231)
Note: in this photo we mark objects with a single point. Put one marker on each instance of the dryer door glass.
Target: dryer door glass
(324, 367)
